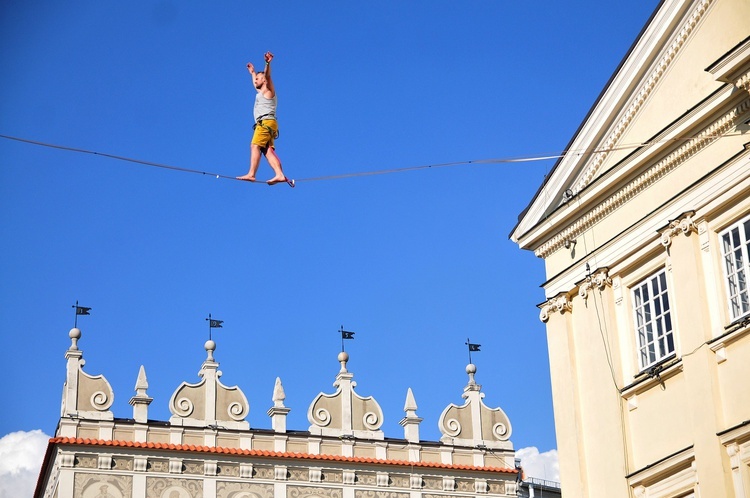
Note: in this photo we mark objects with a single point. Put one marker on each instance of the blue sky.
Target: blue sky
(413, 262)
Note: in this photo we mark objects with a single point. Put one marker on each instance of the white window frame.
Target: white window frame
(735, 263)
(652, 318)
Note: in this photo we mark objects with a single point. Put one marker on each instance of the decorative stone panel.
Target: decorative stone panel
(193, 468)
(158, 465)
(376, 493)
(298, 474)
(310, 491)
(366, 478)
(332, 476)
(464, 485)
(120, 463)
(228, 470)
(264, 472)
(94, 485)
(168, 487)
(86, 462)
(243, 490)
(400, 480)
(433, 483)
(496, 487)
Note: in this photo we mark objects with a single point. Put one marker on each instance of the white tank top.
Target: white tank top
(264, 108)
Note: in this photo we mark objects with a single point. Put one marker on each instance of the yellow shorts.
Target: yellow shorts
(264, 133)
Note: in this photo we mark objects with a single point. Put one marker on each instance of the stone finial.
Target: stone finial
(474, 424)
(343, 358)
(209, 402)
(278, 411)
(141, 400)
(345, 413)
(84, 396)
(411, 421)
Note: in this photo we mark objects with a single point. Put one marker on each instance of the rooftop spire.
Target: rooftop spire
(141, 400)
(278, 411)
(411, 421)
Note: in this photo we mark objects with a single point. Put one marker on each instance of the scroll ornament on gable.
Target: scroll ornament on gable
(345, 413)
(84, 396)
(474, 423)
(209, 402)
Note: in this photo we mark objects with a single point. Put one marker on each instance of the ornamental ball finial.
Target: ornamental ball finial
(210, 345)
(74, 334)
(343, 358)
(471, 369)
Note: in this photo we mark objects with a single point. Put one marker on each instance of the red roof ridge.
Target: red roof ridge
(272, 454)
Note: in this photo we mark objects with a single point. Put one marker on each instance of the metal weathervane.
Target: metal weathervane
(472, 347)
(80, 310)
(345, 334)
(213, 324)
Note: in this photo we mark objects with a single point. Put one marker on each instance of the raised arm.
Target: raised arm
(268, 56)
(251, 70)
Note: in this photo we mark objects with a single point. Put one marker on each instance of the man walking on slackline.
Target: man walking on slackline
(265, 128)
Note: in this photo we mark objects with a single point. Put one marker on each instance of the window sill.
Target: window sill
(655, 375)
(740, 323)
(735, 332)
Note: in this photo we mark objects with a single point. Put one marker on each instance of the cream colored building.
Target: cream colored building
(644, 228)
(207, 449)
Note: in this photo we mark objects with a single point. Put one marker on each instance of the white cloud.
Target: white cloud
(539, 465)
(21, 455)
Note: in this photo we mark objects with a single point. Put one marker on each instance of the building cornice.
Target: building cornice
(669, 16)
(217, 450)
(658, 70)
(643, 181)
(728, 180)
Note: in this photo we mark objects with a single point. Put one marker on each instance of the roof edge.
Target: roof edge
(265, 453)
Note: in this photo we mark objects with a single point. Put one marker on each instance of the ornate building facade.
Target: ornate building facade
(208, 450)
(644, 228)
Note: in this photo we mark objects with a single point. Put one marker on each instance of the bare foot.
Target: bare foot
(247, 178)
(275, 180)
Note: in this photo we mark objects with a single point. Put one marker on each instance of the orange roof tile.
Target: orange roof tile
(270, 454)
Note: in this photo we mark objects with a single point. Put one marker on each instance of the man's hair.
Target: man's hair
(261, 72)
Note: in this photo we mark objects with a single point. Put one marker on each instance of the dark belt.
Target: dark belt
(260, 118)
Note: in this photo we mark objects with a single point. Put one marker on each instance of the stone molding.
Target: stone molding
(643, 181)
(641, 95)
(743, 82)
(560, 303)
(599, 279)
(683, 224)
